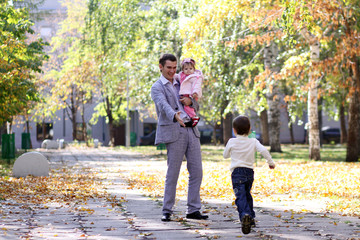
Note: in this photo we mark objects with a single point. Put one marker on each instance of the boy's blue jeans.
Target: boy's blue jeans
(242, 180)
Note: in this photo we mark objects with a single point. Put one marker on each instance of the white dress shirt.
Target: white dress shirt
(242, 149)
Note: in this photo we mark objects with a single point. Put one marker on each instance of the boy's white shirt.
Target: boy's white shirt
(242, 149)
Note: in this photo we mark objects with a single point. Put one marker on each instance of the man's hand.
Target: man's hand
(178, 118)
(186, 101)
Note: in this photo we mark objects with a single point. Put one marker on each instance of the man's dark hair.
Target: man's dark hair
(242, 125)
(167, 56)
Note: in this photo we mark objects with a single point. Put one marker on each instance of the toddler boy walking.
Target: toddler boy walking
(241, 150)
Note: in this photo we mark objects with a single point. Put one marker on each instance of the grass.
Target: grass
(329, 153)
(294, 153)
(5, 168)
(6, 165)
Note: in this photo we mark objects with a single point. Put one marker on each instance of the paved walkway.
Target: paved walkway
(139, 216)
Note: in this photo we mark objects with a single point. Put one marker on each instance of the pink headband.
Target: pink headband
(188, 60)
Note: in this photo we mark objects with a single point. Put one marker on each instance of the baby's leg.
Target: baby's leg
(190, 111)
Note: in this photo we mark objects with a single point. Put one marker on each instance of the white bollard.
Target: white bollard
(49, 144)
(96, 143)
(31, 163)
(61, 144)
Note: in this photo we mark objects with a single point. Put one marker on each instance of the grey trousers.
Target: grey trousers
(187, 145)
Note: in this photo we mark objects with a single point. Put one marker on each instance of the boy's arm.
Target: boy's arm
(265, 153)
(227, 149)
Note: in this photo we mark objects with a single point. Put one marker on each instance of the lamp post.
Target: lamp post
(127, 138)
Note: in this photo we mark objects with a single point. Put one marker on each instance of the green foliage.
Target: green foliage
(226, 66)
(71, 85)
(111, 32)
(19, 59)
(160, 33)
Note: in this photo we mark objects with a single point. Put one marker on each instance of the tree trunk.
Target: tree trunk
(313, 120)
(343, 124)
(213, 136)
(291, 131)
(111, 133)
(2, 130)
(314, 138)
(352, 140)
(227, 127)
(320, 119)
(274, 123)
(111, 121)
(73, 110)
(10, 126)
(224, 125)
(270, 55)
(354, 118)
(73, 123)
(28, 131)
(358, 137)
(84, 125)
(264, 128)
(292, 139)
(314, 143)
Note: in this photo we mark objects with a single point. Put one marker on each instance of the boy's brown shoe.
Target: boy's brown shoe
(253, 224)
(246, 224)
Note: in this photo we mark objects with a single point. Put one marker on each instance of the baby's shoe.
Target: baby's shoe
(195, 121)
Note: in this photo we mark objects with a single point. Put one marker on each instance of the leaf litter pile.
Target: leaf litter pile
(337, 184)
(63, 186)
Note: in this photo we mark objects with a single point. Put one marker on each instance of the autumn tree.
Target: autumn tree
(111, 30)
(206, 35)
(68, 82)
(19, 60)
(333, 22)
(159, 33)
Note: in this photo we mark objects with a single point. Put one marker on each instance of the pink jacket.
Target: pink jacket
(191, 84)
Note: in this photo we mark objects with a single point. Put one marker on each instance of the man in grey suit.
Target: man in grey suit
(174, 129)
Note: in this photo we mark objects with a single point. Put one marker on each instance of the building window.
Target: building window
(44, 131)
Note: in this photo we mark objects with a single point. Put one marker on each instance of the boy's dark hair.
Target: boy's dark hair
(242, 125)
(167, 56)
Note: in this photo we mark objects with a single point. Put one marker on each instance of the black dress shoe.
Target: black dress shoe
(196, 215)
(166, 217)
